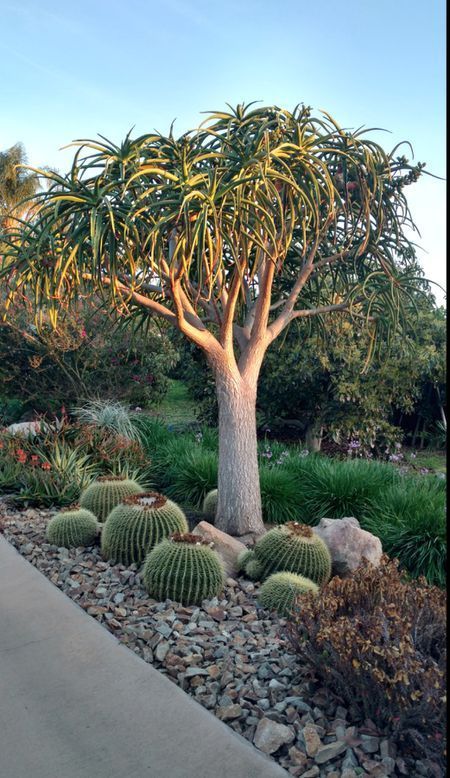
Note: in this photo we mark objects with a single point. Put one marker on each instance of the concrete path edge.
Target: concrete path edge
(75, 703)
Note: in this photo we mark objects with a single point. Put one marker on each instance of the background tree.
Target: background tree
(220, 232)
(17, 185)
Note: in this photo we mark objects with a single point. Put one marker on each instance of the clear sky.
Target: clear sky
(71, 70)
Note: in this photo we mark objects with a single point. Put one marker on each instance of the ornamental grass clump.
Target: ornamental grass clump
(72, 527)
(138, 524)
(293, 548)
(377, 641)
(183, 568)
(281, 592)
(106, 492)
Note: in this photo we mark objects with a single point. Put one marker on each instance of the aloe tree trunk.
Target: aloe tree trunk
(239, 497)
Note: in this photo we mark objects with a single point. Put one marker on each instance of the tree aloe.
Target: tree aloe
(229, 233)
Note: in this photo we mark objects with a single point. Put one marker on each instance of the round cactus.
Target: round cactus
(254, 569)
(243, 558)
(280, 591)
(210, 505)
(106, 492)
(294, 548)
(72, 527)
(137, 524)
(183, 568)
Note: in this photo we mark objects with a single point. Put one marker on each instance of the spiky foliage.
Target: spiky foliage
(106, 492)
(183, 568)
(109, 415)
(293, 548)
(280, 591)
(410, 520)
(72, 527)
(137, 524)
(210, 505)
(279, 495)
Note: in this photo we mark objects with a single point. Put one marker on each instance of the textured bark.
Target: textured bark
(239, 497)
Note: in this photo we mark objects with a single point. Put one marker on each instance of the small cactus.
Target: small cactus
(279, 592)
(138, 524)
(243, 558)
(183, 568)
(72, 527)
(106, 492)
(254, 569)
(293, 548)
(210, 505)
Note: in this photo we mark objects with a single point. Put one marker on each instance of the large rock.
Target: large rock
(349, 545)
(26, 429)
(226, 546)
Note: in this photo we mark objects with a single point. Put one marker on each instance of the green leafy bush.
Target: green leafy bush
(183, 568)
(409, 518)
(378, 642)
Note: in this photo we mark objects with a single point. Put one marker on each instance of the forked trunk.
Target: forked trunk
(239, 497)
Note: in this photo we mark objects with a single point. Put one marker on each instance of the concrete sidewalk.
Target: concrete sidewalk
(75, 703)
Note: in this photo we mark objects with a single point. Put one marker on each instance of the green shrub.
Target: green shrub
(183, 568)
(152, 433)
(378, 642)
(72, 527)
(209, 507)
(293, 548)
(279, 495)
(192, 476)
(138, 524)
(280, 592)
(334, 489)
(106, 492)
(409, 518)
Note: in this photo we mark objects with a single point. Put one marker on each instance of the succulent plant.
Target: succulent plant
(254, 569)
(243, 558)
(293, 548)
(280, 591)
(72, 527)
(138, 524)
(210, 505)
(183, 568)
(106, 492)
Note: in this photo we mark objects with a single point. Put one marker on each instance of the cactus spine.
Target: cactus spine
(137, 524)
(294, 548)
(106, 492)
(280, 591)
(72, 527)
(183, 568)
(210, 505)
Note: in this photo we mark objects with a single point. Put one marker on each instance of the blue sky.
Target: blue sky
(73, 70)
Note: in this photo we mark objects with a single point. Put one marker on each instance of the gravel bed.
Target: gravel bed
(228, 654)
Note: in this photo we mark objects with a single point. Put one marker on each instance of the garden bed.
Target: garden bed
(230, 655)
